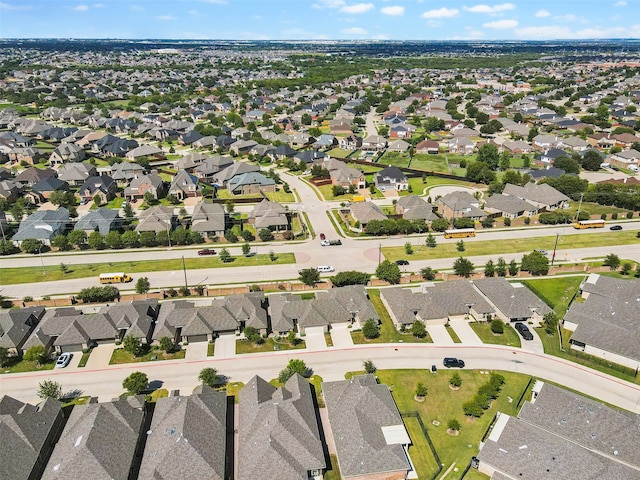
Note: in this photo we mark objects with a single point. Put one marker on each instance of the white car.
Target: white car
(63, 360)
(326, 268)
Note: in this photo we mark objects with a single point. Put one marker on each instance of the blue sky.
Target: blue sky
(321, 19)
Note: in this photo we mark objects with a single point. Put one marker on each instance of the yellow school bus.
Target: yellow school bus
(460, 233)
(119, 277)
(589, 224)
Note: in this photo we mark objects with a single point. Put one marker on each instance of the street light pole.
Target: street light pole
(41, 260)
(184, 268)
(553, 257)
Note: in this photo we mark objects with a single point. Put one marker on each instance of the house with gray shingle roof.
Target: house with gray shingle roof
(103, 186)
(251, 183)
(28, 433)
(237, 168)
(102, 220)
(459, 204)
(99, 441)
(212, 165)
(156, 219)
(66, 152)
(209, 219)
(32, 175)
(185, 185)
(16, 325)
(279, 438)
(141, 184)
(540, 195)
(391, 178)
(369, 434)
(364, 212)
(509, 206)
(76, 173)
(271, 215)
(413, 207)
(187, 437)
(42, 225)
(606, 323)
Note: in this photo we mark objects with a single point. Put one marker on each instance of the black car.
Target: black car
(616, 227)
(453, 362)
(524, 331)
(402, 262)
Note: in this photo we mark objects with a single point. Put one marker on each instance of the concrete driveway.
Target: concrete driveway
(439, 335)
(534, 345)
(314, 338)
(465, 332)
(341, 336)
(225, 346)
(100, 356)
(197, 350)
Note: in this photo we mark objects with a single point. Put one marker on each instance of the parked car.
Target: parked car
(615, 227)
(402, 261)
(63, 360)
(206, 251)
(326, 243)
(540, 250)
(326, 268)
(323, 236)
(453, 362)
(524, 331)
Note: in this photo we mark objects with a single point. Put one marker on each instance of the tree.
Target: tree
(208, 376)
(294, 366)
(309, 276)
(133, 345)
(418, 329)
(626, 268)
(489, 269)
(142, 285)
(430, 241)
(166, 344)
(6, 247)
(568, 164)
(95, 241)
(535, 263)
(370, 329)
(389, 272)
(439, 225)
(489, 155)
(463, 223)
(113, 240)
(497, 326)
(460, 245)
(463, 267)
(421, 390)
(225, 256)
(37, 354)
(246, 248)
(60, 242)
(136, 382)
(130, 239)
(479, 172)
(49, 389)
(455, 380)
(369, 366)
(513, 268)
(230, 236)
(550, 322)
(350, 277)
(505, 161)
(148, 239)
(487, 222)
(31, 245)
(265, 235)
(408, 248)
(472, 409)
(128, 211)
(453, 425)
(501, 267)
(612, 261)
(97, 199)
(98, 294)
(428, 273)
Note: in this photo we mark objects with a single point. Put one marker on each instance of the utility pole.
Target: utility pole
(579, 206)
(553, 257)
(379, 253)
(184, 269)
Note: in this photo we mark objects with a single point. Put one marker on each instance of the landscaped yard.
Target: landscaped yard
(232, 389)
(14, 365)
(120, 355)
(33, 274)
(269, 345)
(510, 337)
(559, 291)
(84, 359)
(211, 348)
(443, 404)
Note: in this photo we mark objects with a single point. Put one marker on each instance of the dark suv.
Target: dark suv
(524, 331)
(453, 362)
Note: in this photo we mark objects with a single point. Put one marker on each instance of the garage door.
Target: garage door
(71, 348)
(197, 338)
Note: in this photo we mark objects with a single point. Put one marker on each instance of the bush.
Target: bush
(507, 222)
(265, 235)
(455, 380)
(418, 329)
(136, 382)
(350, 277)
(370, 329)
(614, 216)
(166, 344)
(497, 326)
(208, 376)
(421, 390)
(107, 293)
(454, 425)
(428, 273)
(369, 367)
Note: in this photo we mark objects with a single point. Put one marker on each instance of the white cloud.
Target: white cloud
(501, 24)
(7, 6)
(80, 8)
(491, 9)
(441, 13)
(328, 4)
(165, 17)
(357, 8)
(621, 3)
(354, 31)
(543, 13)
(393, 11)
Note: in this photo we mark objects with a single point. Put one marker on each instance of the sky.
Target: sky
(321, 19)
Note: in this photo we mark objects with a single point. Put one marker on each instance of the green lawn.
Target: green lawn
(443, 404)
(211, 348)
(25, 366)
(558, 291)
(452, 333)
(157, 394)
(513, 245)
(510, 337)
(232, 389)
(84, 359)
(11, 276)
(120, 356)
(269, 345)
(423, 460)
(597, 209)
(82, 400)
(316, 383)
(388, 332)
(332, 472)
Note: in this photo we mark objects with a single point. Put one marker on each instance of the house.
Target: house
(343, 175)
(513, 302)
(99, 441)
(548, 156)
(16, 326)
(605, 323)
(103, 220)
(270, 215)
(208, 219)
(369, 435)
(279, 437)
(549, 172)
(189, 137)
(625, 159)
(241, 147)
(22, 155)
(459, 204)
(187, 438)
(437, 304)
(542, 195)
(145, 150)
(562, 434)
(460, 145)
(399, 146)
(350, 142)
(374, 143)
(517, 147)
(66, 152)
(251, 183)
(29, 433)
(225, 174)
(509, 206)
(142, 184)
(156, 219)
(413, 207)
(185, 185)
(212, 165)
(103, 186)
(430, 147)
(575, 144)
(43, 225)
(364, 212)
(325, 141)
(391, 178)
(75, 174)
(41, 191)
(32, 175)
(9, 190)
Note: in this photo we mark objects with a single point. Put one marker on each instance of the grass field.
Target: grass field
(454, 336)
(269, 345)
(559, 291)
(25, 366)
(510, 337)
(12, 276)
(120, 355)
(514, 245)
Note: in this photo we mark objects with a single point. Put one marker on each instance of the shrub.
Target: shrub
(421, 390)
(455, 380)
(454, 425)
(497, 326)
(136, 382)
(418, 329)
(370, 329)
